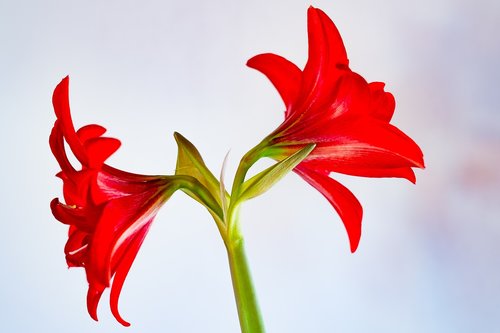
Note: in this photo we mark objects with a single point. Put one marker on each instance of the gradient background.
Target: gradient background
(429, 255)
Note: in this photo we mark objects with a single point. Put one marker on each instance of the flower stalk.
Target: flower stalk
(243, 287)
(244, 292)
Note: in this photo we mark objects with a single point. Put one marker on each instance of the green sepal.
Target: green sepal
(264, 180)
(190, 163)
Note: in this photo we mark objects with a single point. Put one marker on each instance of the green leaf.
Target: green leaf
(264, 180)
(190, 163)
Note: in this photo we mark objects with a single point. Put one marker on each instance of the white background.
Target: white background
(429, 255)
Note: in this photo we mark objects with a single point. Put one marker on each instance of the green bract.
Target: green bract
(264, 180)
(190, 163)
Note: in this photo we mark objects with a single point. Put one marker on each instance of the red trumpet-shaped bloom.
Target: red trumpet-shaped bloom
(108, 211)
(347, 118)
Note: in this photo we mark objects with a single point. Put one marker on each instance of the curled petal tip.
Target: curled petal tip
(354, 239)
(53, 204)
(422, 165)
(65, 80)
(283, 74)
(100, 149)
(418, 160)
(94, 316)
(63, 84)
(93, 297)
(120, 319)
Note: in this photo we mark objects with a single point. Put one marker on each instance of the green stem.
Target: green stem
(246, 300)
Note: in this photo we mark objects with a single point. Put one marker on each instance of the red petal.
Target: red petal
(76, 187)
(115, 183)
(324, 36)
(325, 167)
(327, 58)
(344, 202)
(363, 145)
(77, 216)
(76, 248)
(56, 142)
(99, 149)
(406, 173)
(382, 103)
(124, 176)
(90, 132)
(283, 74)
(120, 220)
(123, 267)
(93, 296)
(352, 97)
(60, 101)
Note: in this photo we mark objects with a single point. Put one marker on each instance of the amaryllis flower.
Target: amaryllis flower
(108, 211)
(347, 118)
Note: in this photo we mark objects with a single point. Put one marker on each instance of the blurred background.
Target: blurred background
(429, 255)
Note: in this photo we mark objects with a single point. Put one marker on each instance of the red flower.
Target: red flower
(346, 117)
(108, 211)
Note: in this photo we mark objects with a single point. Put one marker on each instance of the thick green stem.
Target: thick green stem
(246, 300)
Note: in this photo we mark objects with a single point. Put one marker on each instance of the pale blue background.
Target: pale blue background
(429, 255)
